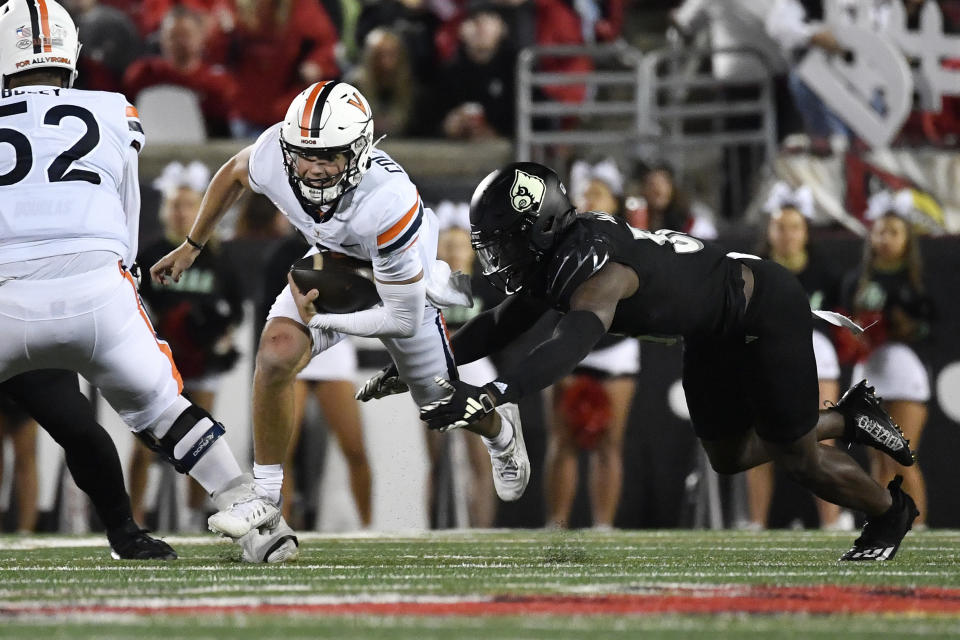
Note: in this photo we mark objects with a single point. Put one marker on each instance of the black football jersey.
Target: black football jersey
(687, 287)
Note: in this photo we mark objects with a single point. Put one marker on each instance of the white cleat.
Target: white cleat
(243, 507)
(270, 545)
(511, 467)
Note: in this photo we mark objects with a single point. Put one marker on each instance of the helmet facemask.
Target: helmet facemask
(507, 259)
(324, 191)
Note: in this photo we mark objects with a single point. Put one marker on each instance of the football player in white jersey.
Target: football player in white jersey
(69, 214)
(320, 167)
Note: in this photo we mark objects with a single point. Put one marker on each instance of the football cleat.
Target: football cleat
(243, 507)
(130, 542)
(882, 535)
(866, 422)
(270, 544)
(511, 467)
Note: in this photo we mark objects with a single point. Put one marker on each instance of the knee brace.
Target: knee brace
(186, 422)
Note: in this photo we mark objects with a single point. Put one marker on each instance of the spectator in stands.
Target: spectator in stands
(798, 26)
(476, 94)
(17, 427)
(591, 406)
(668, 207)
(149, 14)
(110, 44)
(196, 315)
(273, 49)
(330, 378)
(735, 24)
(416, 22)
(888, 289)
(385, 77)
(558, 24)
(601, 20)
(787, 242)
(181, 63)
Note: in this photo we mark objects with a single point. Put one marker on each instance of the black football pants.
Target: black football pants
(52, 397)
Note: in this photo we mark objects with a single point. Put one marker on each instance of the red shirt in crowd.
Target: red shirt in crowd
(558, 23)
(265, 58)
(213, 85)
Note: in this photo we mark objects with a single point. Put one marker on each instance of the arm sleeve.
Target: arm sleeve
(490, 331)
(573, 337)
(786, 24)
(130, 199)
(399, 317)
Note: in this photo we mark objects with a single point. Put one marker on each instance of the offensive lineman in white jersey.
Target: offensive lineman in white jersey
(320, 167)
(69, 214)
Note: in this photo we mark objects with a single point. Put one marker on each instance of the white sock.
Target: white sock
(502, 440)
(217, 468)
(270, 478)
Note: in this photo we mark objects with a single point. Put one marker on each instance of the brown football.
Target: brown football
(345, 284)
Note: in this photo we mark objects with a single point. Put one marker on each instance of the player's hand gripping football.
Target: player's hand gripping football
(304, 300)
(465, 405)
(385, 383)
(172, 265)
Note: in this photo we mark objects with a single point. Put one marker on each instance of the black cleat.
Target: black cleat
(882, 535)
(130, 542)
(868, 423)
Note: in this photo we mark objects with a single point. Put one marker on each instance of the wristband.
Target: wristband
(193, 243)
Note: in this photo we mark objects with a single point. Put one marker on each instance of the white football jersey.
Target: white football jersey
(382, 220)
(62, 154)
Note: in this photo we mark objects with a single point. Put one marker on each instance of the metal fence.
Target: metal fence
(661, 105)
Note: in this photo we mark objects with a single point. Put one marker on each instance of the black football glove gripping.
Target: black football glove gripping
(465, 405)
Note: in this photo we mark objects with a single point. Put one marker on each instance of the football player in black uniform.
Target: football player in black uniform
(91, 456)
(749, 372)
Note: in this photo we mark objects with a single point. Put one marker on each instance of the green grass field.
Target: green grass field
(502, 584)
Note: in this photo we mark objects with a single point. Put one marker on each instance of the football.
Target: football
(345, 284)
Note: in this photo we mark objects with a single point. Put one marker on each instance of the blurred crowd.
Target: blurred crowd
(428, 67)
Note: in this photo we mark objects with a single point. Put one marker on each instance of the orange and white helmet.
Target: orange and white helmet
(37, 34)
(325, 119)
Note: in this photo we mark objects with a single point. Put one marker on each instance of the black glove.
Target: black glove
(385, 383)
(465, 405)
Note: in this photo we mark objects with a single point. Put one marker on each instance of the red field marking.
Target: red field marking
(688, 600)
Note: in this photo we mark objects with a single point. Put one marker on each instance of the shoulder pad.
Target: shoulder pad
(398, 233)
(579, 256)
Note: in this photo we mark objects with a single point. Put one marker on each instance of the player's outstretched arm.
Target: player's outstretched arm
(592, 308)
(227, 185)
(493, 329)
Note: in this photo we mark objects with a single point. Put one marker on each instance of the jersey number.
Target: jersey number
(679, 242)
(59, 170)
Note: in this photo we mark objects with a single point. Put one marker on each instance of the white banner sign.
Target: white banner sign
(871, 33)
(875, 72)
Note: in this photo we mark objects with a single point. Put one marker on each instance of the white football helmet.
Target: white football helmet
(327, 118)
(37, 34)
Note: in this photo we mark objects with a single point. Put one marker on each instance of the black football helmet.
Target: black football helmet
(516, 215)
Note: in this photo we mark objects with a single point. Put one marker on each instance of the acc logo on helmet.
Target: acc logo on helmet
(526, 193)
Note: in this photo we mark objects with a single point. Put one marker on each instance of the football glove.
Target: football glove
(385, 383)
(465, 405)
